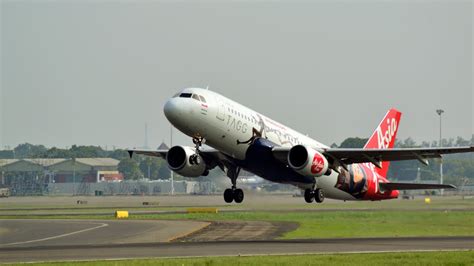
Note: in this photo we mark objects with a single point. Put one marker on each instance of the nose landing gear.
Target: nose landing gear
(198, 140)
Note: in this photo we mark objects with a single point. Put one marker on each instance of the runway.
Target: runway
(62, 240)
(39, 233)
(232, 248)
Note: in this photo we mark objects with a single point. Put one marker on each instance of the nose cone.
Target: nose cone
(171, 110)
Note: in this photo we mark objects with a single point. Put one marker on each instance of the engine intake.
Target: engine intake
(307, 161)
(184, 161)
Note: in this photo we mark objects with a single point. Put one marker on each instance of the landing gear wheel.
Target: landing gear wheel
(238, 195)
(308, 195)
(319, 195)
(228, 195)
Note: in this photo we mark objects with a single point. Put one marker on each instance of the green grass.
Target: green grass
(408, 258)
(355, 223)
(374, 219)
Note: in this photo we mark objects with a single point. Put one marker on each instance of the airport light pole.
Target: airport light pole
(172, 173)
(440, 112)
(73, 176)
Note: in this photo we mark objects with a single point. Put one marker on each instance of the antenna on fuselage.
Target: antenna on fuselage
(207, 87)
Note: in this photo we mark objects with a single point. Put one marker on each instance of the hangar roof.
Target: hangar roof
(38, 164)
(98, 161)
(7, 161)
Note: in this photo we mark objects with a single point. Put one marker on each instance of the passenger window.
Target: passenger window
(196, 97)
(202, 98)
(185, 95)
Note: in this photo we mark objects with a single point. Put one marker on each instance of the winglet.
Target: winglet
(130, 153)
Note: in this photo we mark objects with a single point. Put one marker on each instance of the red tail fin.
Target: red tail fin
(384, 136)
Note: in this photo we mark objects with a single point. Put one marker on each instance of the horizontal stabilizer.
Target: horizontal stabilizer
(413, 186)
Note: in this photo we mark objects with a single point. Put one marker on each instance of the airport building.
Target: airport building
(34, 176)
(84, 176)
(60, 170)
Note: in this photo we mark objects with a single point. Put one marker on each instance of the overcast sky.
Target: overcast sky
(94, 72)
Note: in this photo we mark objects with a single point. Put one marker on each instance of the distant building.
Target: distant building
(76, 170)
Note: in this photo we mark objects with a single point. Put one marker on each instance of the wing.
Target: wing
(212, 157)
(154, 153)
(412, 186)
(350, 156)
(344, 157)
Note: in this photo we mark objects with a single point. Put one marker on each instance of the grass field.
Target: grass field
(354, 223)
(451, 216)
(338, 223)
(416, 258)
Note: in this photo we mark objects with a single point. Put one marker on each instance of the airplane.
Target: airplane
(241, 138)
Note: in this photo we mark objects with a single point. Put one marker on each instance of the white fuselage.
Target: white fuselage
(226, 125)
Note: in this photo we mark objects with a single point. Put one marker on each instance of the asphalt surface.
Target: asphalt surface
(37, 233)
(62, 240)
(232, 248)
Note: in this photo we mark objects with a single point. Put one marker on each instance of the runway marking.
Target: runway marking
(58, 236)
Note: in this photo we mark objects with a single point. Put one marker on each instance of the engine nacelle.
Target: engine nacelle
(183, 160)
(307, 161)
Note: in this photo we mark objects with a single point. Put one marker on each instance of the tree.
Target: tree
(462, 142)
(57, 153)
(129, 168)
(6, 154)
(87, 151)
(118, 154)
(163, 171)
(27, 150)
(150, 167)
(353, 143)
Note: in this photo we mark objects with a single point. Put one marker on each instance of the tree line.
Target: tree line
(134, 168)
(458, 168)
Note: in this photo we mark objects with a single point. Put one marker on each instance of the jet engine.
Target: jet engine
(184, 161)
(307, 161)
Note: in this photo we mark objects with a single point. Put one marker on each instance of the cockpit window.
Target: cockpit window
(202, 98)
(196, 97)
(185, 95)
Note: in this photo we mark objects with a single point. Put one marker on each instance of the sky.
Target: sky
(94, 72)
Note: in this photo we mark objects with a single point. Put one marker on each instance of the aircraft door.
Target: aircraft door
(220, 109)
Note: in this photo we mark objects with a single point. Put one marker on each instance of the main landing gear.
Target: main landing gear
(234, 193)
(310, 195)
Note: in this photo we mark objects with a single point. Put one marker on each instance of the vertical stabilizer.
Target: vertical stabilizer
(384, 136)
